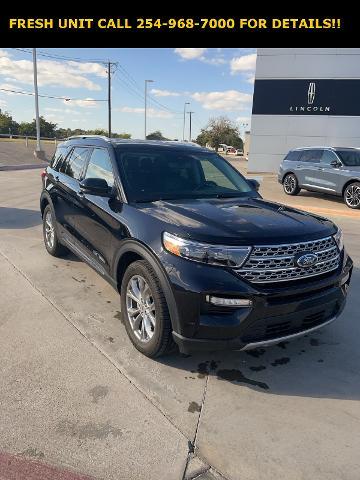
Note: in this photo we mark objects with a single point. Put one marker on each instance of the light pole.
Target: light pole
(38, 152)
(146, 83)
(183, 135)
(190, 114)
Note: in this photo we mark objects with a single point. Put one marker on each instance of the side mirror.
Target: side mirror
(254, 184)
(95, 186)
(335, 163)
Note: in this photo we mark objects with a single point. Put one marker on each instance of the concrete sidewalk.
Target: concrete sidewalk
(64, 404)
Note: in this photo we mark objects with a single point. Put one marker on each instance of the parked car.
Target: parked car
(199, 258)
(331, 170)
(239, 152)
(231, 151)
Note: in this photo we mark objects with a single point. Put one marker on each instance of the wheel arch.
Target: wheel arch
(44, 201)
(133, 250)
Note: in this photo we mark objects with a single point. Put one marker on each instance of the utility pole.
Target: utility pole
(109, 72)
(183, 135)
(38, 152)
(190, 113)
(109, 99)
(145, 109)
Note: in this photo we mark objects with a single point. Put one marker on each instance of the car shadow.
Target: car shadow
(324, 364)
(19, 218)
(324, 196)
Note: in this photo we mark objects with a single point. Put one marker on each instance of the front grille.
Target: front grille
(276, 263)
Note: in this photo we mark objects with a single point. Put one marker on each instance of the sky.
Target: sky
(215, 81)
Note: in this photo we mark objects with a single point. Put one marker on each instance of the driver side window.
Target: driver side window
(100, 166)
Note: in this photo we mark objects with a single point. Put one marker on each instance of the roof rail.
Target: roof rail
(89, 136)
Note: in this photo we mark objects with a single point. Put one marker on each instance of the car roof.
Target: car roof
(96, 140)
(322, 147)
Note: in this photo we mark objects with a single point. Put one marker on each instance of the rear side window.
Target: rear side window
(311, 156)
(100, 166)
(75, 162)
(58, 157)
(293, 156)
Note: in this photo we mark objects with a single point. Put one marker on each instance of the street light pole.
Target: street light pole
(190, 114)
(183, 135)
(38, 152)
(146, 82)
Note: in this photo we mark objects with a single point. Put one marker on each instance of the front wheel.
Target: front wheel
(291, 185)
(352, 195)
(144, 310)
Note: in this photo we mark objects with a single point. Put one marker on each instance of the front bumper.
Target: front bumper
(279, 312)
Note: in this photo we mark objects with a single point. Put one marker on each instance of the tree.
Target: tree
(157, 135)
(220, 130)
(47, 129)
(7, 124)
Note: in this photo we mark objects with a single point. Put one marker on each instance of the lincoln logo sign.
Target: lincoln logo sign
(307, 97)
(311, 93)
(310, 98)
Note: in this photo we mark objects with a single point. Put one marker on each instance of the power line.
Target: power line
(53, 96)
(62, 57)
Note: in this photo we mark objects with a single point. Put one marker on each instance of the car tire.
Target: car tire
(51, 240)
(291, 184)
(352, 195)
(144, 310)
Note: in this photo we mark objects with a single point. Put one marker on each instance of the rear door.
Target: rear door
(66, 192)
(307, 168)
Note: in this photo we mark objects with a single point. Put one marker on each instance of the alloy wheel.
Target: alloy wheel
(49, 230)
(352, 196)
(140, 308)
(289, 184)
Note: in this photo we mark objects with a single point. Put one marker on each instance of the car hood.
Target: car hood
(241, 221)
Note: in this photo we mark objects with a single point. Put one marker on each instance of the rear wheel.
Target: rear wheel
(145, 311)
(352, 195)
(51, 241)
(291, 185)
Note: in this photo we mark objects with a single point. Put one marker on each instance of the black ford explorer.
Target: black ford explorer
(198, 256)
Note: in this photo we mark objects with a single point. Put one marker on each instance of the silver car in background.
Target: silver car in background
(331, 170)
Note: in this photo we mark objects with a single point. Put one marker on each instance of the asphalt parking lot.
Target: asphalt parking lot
(76, 396)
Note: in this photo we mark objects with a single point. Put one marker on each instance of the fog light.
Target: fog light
(228, 302)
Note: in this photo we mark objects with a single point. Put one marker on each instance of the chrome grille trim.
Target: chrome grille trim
(276, 263)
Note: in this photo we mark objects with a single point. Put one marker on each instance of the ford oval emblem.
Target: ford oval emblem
(306, 260)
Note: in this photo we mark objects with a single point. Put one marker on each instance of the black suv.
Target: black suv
(197, 255)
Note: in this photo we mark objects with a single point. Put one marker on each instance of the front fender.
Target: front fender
(135, 246)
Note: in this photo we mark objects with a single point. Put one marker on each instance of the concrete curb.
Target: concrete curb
(29, 166)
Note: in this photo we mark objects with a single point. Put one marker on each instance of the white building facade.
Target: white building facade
(303, 97)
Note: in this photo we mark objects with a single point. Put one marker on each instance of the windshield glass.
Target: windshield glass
(350, 158)
(151, 174)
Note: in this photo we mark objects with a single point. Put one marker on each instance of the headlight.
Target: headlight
(204, 252)
(339, 239)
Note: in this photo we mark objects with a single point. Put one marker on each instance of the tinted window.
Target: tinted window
(293, 156)
(311, 156)
(58, 157)
(75, 162)
(100, 166)
(328, 156)
(350, 158)
(159, 173)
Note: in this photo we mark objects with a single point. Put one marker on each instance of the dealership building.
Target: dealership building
(303, 97)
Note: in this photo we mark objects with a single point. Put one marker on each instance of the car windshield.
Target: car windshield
(350, 158)
(151, 174)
